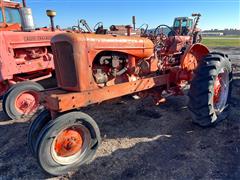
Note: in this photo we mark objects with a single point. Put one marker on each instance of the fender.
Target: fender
(192, 55)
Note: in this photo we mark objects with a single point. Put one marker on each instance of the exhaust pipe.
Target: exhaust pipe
(134, 22)
(24, 3)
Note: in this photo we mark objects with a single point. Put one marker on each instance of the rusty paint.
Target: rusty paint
(63, 101)
(192, 56)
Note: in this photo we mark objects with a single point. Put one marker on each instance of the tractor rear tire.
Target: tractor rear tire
(210, 90)
(35, 128)
(67, 142)
(22, 100)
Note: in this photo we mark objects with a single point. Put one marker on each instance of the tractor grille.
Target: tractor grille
(64, 65)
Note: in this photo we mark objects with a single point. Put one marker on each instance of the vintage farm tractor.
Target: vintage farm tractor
(93, 68)
(25, 57)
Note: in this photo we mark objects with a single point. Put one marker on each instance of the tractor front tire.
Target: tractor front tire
(36, 126)
(210, 90)
(22, 100)
(67, 142)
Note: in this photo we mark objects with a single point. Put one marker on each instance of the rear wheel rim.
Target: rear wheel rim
(27, 102)
(221, 90)
(70, 145)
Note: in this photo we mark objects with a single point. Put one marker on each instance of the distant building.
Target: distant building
(212, 33)
(225, 32)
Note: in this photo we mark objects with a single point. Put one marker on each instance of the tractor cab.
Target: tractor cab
(10, 18)
(183, 25)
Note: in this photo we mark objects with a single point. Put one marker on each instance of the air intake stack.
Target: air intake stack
(51, 14)
(26, 17)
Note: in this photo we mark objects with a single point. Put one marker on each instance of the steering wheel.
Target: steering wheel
(160, 38)
(74, 28)
(77, 27)
(98, 25)
(161, 26)
(143, 30)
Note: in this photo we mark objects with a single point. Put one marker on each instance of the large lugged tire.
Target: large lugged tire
(22, 100)
(210, 90)
(67, 142)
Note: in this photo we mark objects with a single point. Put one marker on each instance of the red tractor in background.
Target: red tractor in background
(25, 58)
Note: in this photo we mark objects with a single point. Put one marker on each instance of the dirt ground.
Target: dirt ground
(142, 141)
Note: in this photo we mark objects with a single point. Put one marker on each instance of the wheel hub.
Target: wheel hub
(27, 102)
(68, 143)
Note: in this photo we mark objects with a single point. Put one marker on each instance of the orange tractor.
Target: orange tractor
(92, 68)
(25, 57)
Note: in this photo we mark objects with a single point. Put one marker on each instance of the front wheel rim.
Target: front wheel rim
(70, 145)
(27, 102)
